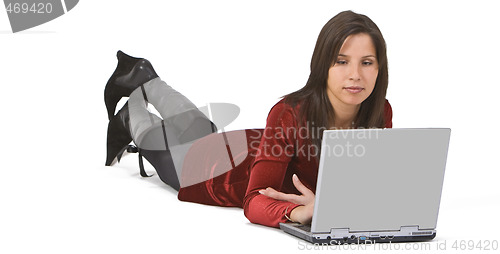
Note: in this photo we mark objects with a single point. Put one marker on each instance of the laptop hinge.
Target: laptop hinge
(409, 228)
(339, 232)
(415, 230)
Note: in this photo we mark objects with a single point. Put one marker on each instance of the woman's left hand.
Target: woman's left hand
(302, 213)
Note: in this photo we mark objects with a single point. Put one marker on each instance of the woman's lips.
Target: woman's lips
(354, 89)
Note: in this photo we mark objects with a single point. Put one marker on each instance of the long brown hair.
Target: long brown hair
(315, 108)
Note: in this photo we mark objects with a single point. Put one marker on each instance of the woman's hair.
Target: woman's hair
(315, 110)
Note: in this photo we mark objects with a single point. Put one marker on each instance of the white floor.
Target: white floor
(84, 207)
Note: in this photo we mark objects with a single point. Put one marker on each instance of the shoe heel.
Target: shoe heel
(154, 147)
(163, 164)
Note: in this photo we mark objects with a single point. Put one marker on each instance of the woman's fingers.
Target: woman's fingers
(272, 193)
(307, 196)
(300, 186)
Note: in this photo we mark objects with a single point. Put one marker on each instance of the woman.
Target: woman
(346, 89)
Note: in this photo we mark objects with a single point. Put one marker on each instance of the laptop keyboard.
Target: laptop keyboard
(306, 228)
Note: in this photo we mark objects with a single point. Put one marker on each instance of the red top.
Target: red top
(269, 159)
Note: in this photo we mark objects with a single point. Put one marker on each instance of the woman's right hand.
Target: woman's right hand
(303, 213)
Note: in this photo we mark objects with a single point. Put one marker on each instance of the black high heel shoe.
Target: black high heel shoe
(119, 139)
(151, 141)
(130, 73)
(119, 136)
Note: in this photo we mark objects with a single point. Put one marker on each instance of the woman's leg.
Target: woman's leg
(162, 141)
(165, 141)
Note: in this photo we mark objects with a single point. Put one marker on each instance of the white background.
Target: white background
(56, 195)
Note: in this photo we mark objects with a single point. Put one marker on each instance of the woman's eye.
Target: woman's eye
(367, 63)
(341, 62)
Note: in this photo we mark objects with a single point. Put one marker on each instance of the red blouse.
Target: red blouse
(269, 159)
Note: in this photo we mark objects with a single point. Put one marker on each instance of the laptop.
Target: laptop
(377, 185)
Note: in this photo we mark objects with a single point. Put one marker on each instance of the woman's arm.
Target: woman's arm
(261, 209)
(276, 150)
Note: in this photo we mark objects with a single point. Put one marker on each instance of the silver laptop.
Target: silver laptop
(377, 185)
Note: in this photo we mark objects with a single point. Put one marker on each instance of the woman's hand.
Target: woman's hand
(303, 213)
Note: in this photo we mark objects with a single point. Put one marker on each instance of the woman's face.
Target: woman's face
(352, 77)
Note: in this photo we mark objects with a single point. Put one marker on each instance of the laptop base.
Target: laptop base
(303, 232)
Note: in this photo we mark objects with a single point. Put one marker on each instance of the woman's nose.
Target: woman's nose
(354, 73)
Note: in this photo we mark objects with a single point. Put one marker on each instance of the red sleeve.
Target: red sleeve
(275, 151)
(388, 114)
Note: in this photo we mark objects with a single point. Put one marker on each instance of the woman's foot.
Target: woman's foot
(130, 73)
